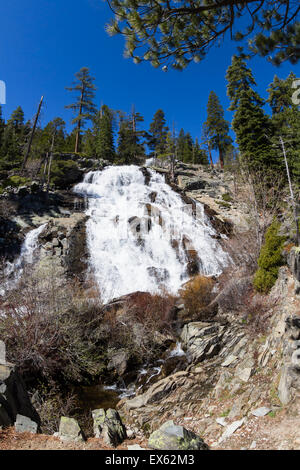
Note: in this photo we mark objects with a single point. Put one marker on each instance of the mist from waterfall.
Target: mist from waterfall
(139, 233)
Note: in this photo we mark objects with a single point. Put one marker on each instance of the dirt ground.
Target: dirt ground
(12, 440)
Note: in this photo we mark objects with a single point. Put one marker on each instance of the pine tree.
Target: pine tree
(158, 133)
(178, 32)
(205, 141)
(188, 148)
(14, 136)
(89, 143)
(2, 129)
(130, 150)
(180, 144)
(269, 260)
(286, 120)
(200, 156)
(104, 145)
(250, 124)
(55, 129)
(83, 107)
(217, 127)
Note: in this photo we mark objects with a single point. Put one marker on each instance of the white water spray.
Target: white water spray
(139, 234)
(13, 271)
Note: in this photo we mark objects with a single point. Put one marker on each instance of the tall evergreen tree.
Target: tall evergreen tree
(2, 128)
(158, 133)
(205, 141)
(250, 124)
(130, 150)
(104, 145)
(83, 108)
(200, 156)
(286, 120)
(188, 148)
(14, 136)
(180, 144)
(53, 133)
(217, 127)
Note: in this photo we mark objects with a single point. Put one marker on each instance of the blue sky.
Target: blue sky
(44, 42)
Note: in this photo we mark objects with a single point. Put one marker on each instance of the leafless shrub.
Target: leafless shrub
(197, 294)
(257, 311)
(234, 286)
(49, 329)
(142, 324)
(244, 251)
(51, 404)
(262, 193)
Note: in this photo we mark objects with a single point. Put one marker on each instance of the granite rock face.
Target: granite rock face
(14, 399)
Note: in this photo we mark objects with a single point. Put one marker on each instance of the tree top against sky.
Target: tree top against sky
(167, 32)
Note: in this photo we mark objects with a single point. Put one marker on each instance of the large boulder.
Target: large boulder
(14, 399)
(108, 425)
(172, 437)
(69, 430)
(24, 424)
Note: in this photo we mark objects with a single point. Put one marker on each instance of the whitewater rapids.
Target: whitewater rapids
(139, 233)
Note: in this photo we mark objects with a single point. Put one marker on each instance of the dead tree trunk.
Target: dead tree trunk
(291, 192)
(32, 134)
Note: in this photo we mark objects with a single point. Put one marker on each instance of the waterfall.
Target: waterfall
(13, 271)
(141, 235)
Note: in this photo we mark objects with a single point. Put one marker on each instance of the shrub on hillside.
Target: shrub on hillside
(65, 173)
(145, 323)
(17, 181)
(270, 259)
(50, 331)
(197, 294)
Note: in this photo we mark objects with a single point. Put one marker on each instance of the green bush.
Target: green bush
(270, 259)
(65, 173)
(226, 197)
(17, 181)
(224, 204)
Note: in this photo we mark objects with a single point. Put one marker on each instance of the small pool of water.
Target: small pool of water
(93, 397)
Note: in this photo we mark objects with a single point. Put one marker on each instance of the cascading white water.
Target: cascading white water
(13, 271)
(138, 234)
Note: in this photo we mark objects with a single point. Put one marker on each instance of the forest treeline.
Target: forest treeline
(121, 138)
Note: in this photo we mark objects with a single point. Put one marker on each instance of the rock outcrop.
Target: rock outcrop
(14, 399)
(108, 425)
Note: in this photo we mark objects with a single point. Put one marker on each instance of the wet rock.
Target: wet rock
(69, 430)
(172, 437)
